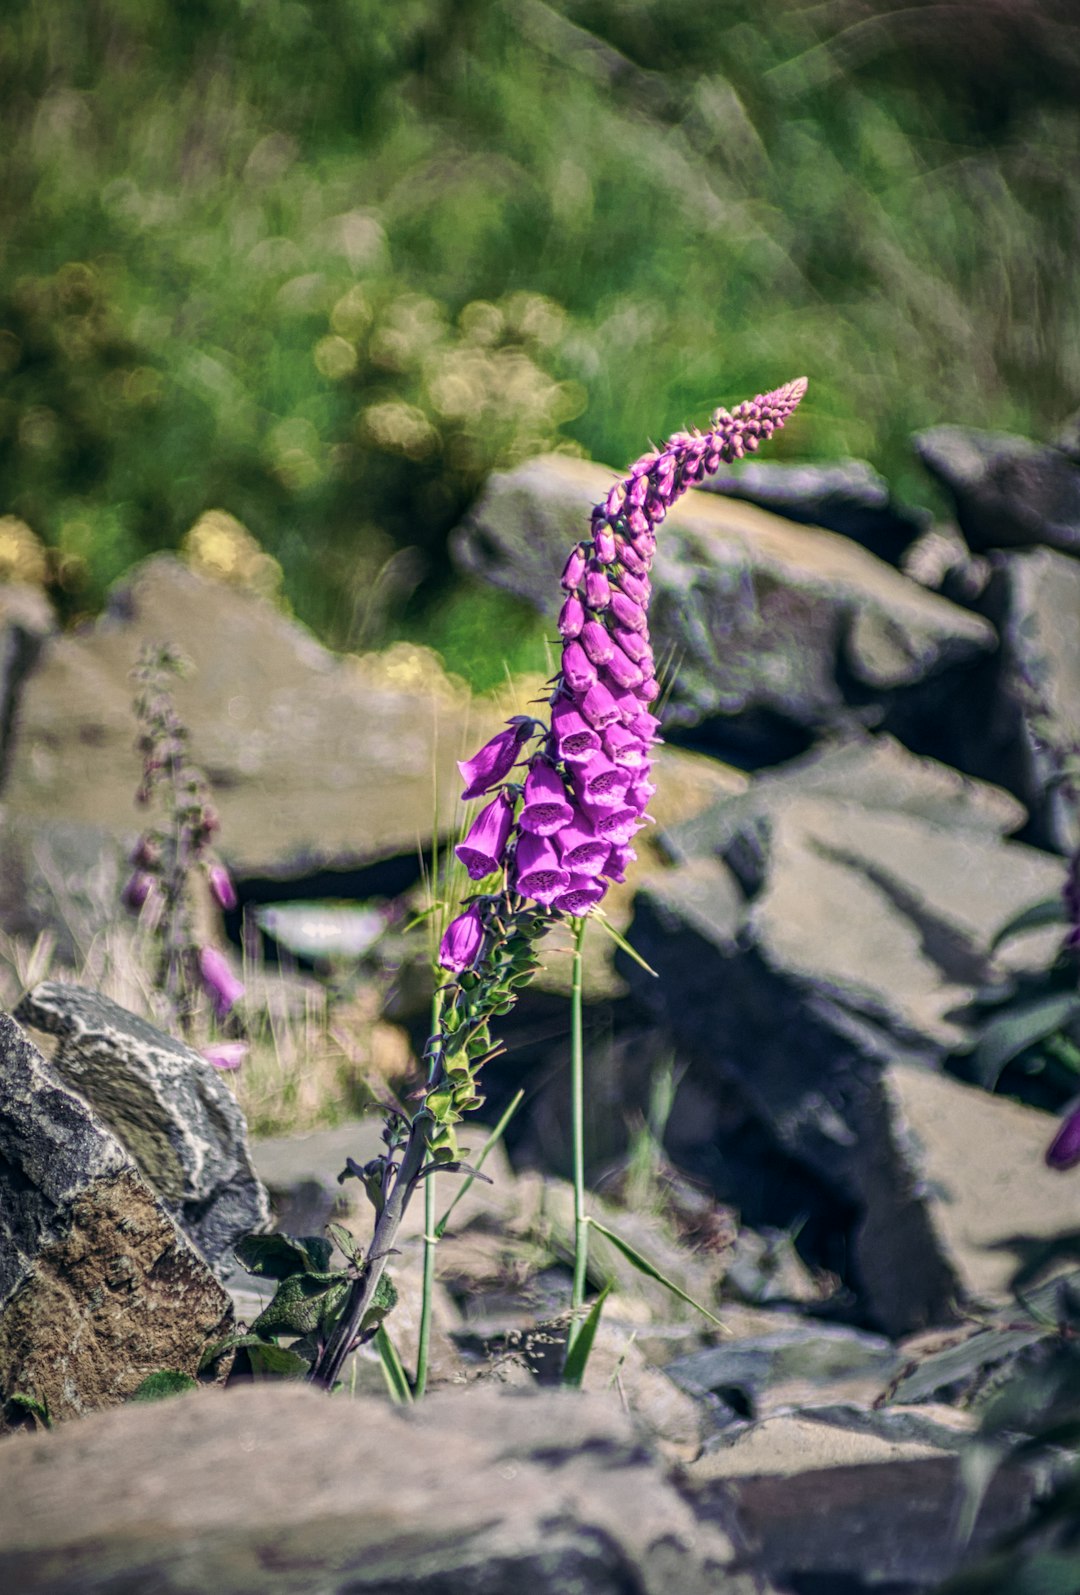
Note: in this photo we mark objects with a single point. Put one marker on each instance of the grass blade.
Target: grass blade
(621, 942)
(577, 1351)
(397, 1380)
(650, 1271)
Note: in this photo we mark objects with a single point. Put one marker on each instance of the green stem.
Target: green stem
(427, 1288)
(577, 1119)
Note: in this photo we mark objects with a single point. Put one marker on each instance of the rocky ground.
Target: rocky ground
(870, 723)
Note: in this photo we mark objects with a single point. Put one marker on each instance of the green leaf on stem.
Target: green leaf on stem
(280, 1256)
(1018, 1027)
(397, 1380)
(650, 1270)
(275, 1362)
(578, 1350)
(301, 1303)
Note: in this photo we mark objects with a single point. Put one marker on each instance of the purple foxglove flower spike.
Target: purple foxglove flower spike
(496, 758)
(546, 808)
(222, 986)
(461, 944)
(141, 885)
(484, 848)
(539, 873)
(601, 783)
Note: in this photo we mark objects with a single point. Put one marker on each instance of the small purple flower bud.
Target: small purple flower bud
(634, 562)
(621, 670)
(581, 850)
(597, 642)
(597, 589)
(571, 618)
(583, 893)
(613, 503)
(637, 491)
(226, 1054)
(599, 707)
(538, 872)
(496, 758)
(482, 850)
(649, 690)
(600, 783)
(575, 740)
(604, 545)
(546, 808)
(628, 614)
(221, 887)
(632, 643)
(461, 944)
(635, 587)
(222, 986)
(574, 569)
(636, 523)
(1064, 1150)
(140, 885)
(578, 672)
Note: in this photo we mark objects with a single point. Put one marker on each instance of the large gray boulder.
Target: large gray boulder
(98, 1286)
(811, 942)
(1008, 491)
(316, 761)
(276, 1490)
(168, 1107)
(778, 624)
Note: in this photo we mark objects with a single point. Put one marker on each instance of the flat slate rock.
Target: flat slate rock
(317, 761)
(166, 1104)
(98, 1286)
(276, 1490)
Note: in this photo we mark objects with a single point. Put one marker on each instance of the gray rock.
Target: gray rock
(848, 497)
(828, 1508)
(812, 1354)
(272, 1490)
(1008, 491)
(1034, 713)
(168, 1107)
(778, 624)
(98, 1287)
(316, 761)
(868, 931)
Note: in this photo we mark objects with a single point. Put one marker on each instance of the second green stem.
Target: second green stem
(577, 1119)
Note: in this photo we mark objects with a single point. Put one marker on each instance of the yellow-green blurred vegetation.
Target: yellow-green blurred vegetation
(321, 265)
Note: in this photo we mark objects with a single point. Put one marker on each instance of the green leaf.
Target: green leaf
(621, 942)
(301, 1303)
(397, 1380)
(496, 1135)
(1020, 1026)
(1051, 911)
(579, 1346)
(279, 1256)
(650, 1270)
(28, 1407)
(165, 1382)
(276, 1362)
(383, 1302)
(344, 1240)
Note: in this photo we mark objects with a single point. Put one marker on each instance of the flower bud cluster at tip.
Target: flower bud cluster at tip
(566, 832)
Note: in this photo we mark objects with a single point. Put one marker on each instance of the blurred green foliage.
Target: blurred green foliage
(324, 264)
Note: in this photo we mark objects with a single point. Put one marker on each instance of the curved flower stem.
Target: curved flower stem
(577, 1117)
